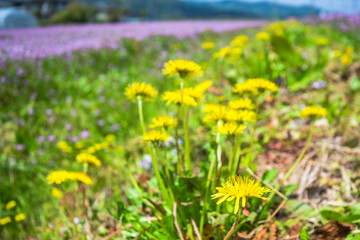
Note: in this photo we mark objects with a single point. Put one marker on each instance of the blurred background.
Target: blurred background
(49, 12)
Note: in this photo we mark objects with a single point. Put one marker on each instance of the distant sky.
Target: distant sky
(343, 6)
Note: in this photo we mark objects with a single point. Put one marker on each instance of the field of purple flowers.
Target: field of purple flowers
(107, 133)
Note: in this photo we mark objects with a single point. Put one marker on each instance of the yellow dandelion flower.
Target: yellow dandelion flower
(140, 89)
(90, 150)
(239, 41)
(322, 41)
(262, 84)
(5, 220)
(10, 205)
(163, 122)
(89, 159)
(239, 189)
(97, 146)
(58, 177)
(231, 129)
(175, 97)
(182, 68)
(313, 112)
(222, 53)
(241, 103)
(56, 193)
(79, 145)
(20, 217)
(62, 176)
(215, 113)
(263, 36)
(336, 53)
(211, 106)
(203, 86)
(235, 53)
(64, 146)
(244, 88)
(208, 45)
(104, 145)
(241, 116)
(156, 136)
(81, 177)
(110, 138)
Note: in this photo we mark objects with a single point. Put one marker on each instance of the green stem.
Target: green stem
(158, 176)
(236, 161)
(253, 130)
(186, 130)
(180, 163)
(141, 115)
(207, 188)
(233, 156)
(218, 153)
(133, 181)
(291, 170)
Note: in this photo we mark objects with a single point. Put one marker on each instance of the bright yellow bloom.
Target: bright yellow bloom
(140, 89)
(20, 217)
(347, 57)
(56, 193)
(61, 176)
(322, 41)
(241, 116)
(235, 53)
(215, 113)
(10, 205)
(203, 86)
(90, 150)
(263, 36)
(241, 103)
(156, 136)
(313, 112)
(89, 159)
(231, 129)
(222, 53)
(63, 146)
(255, 86)
(175, 97)
(163, 122)
(239, 41)
(182, 68)
(79, 145)
(208, 45)
(82, 177)
(110, 138)
(239, 189)
(5, 220)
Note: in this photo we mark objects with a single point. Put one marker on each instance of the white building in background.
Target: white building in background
(16, 18)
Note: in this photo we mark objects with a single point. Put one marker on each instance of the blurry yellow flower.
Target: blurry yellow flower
(5, 220)
(236, 52)
(163, 122)
(79, 145)
(175, 97)
(182, 68)
(97, 146)
(231, 129)
(203, 86)
(241, 116)
(110, 138)
(141, 89)
(313, 112)
(208, 45)
(81, 177)
(90, 150)
(347, 57)
(215, 113)
(156, 136)
(239, 189)
(322, 41)
(222, 53)
(277, 27)
(20, 217)
(61, 176)
(239, 41)
(10, 205)
(337, 53)
(241, 103)
(89, 159)
(104, 145)
(263, 36)
(255, 86)
(56, 193)
(63, 146)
